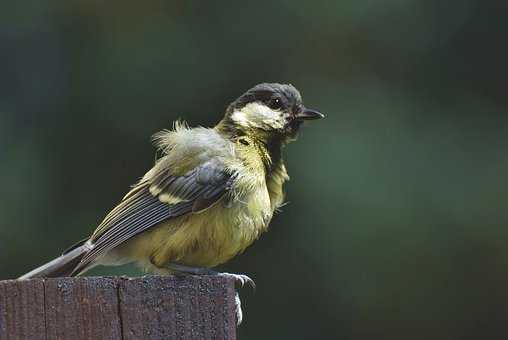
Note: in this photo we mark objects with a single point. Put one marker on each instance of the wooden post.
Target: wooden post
(152, 307)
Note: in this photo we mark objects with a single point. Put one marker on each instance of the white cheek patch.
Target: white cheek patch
(240, 118)
(258, 116)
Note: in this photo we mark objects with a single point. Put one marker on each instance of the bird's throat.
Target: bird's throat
(267, 145)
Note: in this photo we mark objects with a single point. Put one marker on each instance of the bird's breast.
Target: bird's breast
(211, 237)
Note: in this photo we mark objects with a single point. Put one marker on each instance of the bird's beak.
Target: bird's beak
(308, 114)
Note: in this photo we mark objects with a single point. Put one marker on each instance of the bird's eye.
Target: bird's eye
(275, 103)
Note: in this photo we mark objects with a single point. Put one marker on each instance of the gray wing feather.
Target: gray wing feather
(140, 210)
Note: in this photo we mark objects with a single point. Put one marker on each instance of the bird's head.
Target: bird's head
(269, 112)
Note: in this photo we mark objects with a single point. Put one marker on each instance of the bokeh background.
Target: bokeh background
(396, 226)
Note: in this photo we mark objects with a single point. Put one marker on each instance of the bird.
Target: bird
(210, 194)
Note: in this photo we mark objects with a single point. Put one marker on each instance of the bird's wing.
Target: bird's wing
(156, 199)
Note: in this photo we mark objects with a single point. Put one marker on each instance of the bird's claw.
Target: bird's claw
(241, 279)
(238, 307)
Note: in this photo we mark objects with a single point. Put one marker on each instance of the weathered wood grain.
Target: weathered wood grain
(86, 308)
(22, 314)
(187, 307)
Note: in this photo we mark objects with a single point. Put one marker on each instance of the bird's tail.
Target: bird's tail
(61, 266)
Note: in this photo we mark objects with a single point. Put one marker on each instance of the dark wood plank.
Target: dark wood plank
(82, 308)
(22, 310)
(152, 307)
(188, 307)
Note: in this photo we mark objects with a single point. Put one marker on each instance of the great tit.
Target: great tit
(210, 194)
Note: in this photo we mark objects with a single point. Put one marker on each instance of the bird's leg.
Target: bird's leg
(190, 270)
(240, 279)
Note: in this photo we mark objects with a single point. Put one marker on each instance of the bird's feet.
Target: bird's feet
(240, 279)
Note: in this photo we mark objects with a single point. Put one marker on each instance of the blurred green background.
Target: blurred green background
(397, 221)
